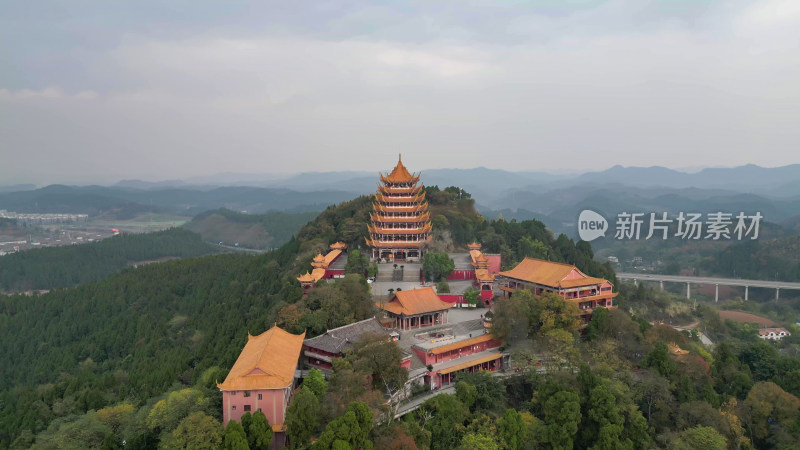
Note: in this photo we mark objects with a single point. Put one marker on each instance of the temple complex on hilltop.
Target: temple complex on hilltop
(263, 379)
(321, 266)
(401, 225)
(539, 276)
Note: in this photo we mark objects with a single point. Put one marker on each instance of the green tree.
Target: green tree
(437, 266)
(348, 431)
(699, 437)
(380, 358)
(600, 326)
(246, 420)
(235, 437)
(466, 393)
(511, 429)
(443, 287)
(357, 262)
(447, 424)
(562, 417)
(302, 417)
(259, 434)
(527, 247)
(167, 413)
(768, 409)
(315, 381)
(660, 360)
(474, 441)
(198, 430)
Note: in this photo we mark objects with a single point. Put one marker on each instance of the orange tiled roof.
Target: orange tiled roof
(548, 273)
(400, 174)
(396, 244)
(306, 278)
(483, 275)
(461, 344)
(411, 190)
(404, 199)
(338, 246)
(318, 274)
(474, 362)
(416, 301)
(333, 254)
(424, 217)
(587, 281)
(268, 361)
(422, 207)
(474, 246)
(426, 228)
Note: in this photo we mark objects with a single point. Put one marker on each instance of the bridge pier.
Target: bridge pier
(688, 290)
(661, 282)
(746, 291)
(716, 293)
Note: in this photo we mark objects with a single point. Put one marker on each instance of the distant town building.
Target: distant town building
(416, 308)
(320, 351)
(774, 334)
(263, 379)
(539, 276)
(400, 223)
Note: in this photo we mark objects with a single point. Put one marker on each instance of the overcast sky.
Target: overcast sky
(91, 92)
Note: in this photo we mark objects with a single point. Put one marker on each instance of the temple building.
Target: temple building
(401, 225)
(539, 276)
(416, 308)
(322, 267)
(320, 351)
(450, 354)
(486, 267)
(263, 379)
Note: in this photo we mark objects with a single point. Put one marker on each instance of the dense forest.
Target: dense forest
(56, 267)
(259, 231)
(135, 357)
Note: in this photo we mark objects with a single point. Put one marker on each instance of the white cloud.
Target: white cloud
(575, 90)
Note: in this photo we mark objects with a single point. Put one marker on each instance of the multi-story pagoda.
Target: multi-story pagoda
(401, 223)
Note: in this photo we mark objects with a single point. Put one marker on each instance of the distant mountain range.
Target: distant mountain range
(554, 198)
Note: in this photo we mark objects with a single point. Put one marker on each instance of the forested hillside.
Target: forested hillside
(56, 267)
(258, 231)
(135, 357)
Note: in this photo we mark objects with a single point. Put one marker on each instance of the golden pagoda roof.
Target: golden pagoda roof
(424, 229)
(409, 198)
(400, 174)
(377, 207)
(268, 361)
(474, 246)
(394, 190)
(397, 244)
(424, 217)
